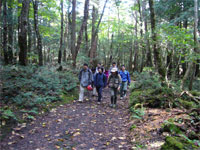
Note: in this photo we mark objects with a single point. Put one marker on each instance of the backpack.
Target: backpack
(89, 71)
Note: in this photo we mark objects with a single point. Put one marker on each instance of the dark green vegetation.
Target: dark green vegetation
(147, 93)
(29, 91)
(43, 43)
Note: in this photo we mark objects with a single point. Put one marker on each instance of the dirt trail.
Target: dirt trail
(76, 126)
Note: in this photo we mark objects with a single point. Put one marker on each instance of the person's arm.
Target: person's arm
(105, 80)
(120, 81)
(95, 81)
(108, 79)
(79, 77)
(91, 77)
(129, 79)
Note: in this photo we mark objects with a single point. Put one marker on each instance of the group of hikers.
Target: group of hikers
(98, 78)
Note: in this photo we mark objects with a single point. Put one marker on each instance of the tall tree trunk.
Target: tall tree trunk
(0, 6)
(29, 37)
(92, 53)
(148, 49)
(184, 66)
(136, 45)
(141, 34)
(197, 47)
(86, 40)
(61, 34)
(95, 33)
(5, 33)
(131, 57)
(80, 36)
(10, 31)
(22, 39)
(39, 40)
(65, 44)
(70, 31)
(157, 57)
(111, 50)
(73, 32)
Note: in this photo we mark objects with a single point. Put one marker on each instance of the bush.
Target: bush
(32, 89)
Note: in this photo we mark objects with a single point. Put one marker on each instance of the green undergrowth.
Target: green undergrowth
(30, 91)
(178, 143)
(148, 92)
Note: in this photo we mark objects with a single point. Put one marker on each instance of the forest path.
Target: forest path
(77, 126)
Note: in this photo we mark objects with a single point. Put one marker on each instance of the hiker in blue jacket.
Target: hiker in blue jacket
(100, 82)
(125, 81)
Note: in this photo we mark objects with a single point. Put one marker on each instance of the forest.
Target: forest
(44, 45)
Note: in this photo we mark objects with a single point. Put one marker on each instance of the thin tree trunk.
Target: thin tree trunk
(10, 31)
(136, 45)
(80, 36)
(29, 37)
(196, 48)
(95, 33)
(111, 50)
(92, 53)
(157, 58)
(73, 32)
(185, 25)
(5, 32)
(86, 39)
(39, 40)
(131, 57)
(0, 6)
(65, 44)
(148, 49)
(61, 34)
(142, 39)
(69, 30)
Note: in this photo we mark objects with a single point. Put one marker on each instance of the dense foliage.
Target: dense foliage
(31, 90)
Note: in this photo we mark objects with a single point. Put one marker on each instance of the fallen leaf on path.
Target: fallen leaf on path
(10, 143)
(61, 140)
(76, 134)
(46, 136)
(43, 124)
(121, 138)
(56, 146)
(113, 138)
(59, 120)
(107, 143)
(57, 135)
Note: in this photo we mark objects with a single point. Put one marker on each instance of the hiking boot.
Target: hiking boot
(121, 98)
(98, 103)
(114, 105)
(111, 105)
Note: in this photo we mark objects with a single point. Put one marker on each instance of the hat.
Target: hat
(114, 70)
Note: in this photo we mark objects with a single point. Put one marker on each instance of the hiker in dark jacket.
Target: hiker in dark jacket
(100, 82)
(85, 78)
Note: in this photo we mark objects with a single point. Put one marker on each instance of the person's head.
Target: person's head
(114, 71)
(85, 66)
(99, 65)
(93, 69)
(123, 68)
(114, 64)
(100, 70)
